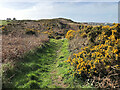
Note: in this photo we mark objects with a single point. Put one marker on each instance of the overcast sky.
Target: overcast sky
(77, 10)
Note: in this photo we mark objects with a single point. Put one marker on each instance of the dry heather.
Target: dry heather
(14, 47)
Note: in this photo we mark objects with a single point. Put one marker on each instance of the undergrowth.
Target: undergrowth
(37, 67)
(33, 71)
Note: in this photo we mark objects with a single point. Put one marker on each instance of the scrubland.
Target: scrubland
(60, 53)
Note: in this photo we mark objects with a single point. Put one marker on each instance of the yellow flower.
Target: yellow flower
(79, 72)
(95, 71)
(108, 66)
(116, 56)
(68, 60)
(113, 31)
(103, 32)
(116, 50)
(93, 66)
(112, 37)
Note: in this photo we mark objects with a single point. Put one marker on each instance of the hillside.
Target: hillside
(57, 26)
(60, 53)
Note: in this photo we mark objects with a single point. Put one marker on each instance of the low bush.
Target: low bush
(101, 60)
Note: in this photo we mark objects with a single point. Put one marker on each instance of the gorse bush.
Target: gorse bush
(101, 58)
(70, 34)
(4, 30)
(32, 31)
(51, 34)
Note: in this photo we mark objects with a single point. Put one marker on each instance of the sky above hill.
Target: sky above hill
(77, 10)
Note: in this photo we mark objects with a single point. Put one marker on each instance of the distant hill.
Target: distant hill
(58, 26)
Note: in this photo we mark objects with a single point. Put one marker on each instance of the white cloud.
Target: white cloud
(106, 12)
(40, 10)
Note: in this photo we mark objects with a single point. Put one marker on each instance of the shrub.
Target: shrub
(70, 34)
(101, 59)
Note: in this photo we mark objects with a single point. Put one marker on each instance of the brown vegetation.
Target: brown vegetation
(14, 47)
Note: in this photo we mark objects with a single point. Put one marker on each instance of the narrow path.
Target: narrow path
(42, 68)
(57, 78)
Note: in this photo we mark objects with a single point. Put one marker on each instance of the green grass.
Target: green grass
(33, 71)
(4, 22)
(65, 71)
(42, 68)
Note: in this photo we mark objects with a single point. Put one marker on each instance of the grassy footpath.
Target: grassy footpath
(43, 68)
(62, 72)
(35, 69)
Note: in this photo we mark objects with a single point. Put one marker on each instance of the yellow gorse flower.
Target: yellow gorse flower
(100, 56)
